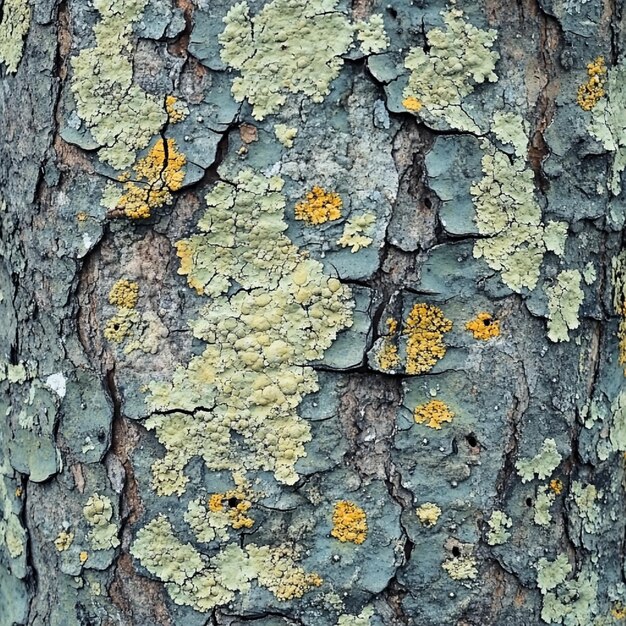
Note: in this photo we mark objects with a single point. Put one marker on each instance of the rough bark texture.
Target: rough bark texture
(198, 416)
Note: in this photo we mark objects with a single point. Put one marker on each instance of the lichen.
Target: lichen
(119, 327)
(318, 207)
(565, 297)
(150, 185)
(387, 357)
(608, 124)
(424, 329)
(16, 16)
(586, 500)
(551, 574)
(176, 109)
(514, 239)
(459, 57)
(592, 91)
(544, 500)
(121, 116)
(428, 514)
(461, 567)
(498, 524)
(349, 523)
(569, 602)
(372, 34)
(353, 232)
(484, 326)
(362, 619)
(98, 512)
(124, 294)
(64, 540)
(290, 46)
(542, 464)
(285, 134)
(618, 275)
(240, 395)
(433, 414)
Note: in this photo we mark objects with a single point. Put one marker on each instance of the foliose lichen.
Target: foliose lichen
(354, 236)
(124, 294)
(121, 116)
(484, 326)
(586, 499)
(16, 16)
(319, 206)
(433, 414)
(542, 464)
(64, 540)
(285, 134)
(176, 109)
(428, 514)
(424, 329)
(362, 619)
(570, 602)
(98, 512)
(459, 57)
(387, 357)
(371, 34)
(565, 298)
(498, 524)
(349, 523)
(592, 91)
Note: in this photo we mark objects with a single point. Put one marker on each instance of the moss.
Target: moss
(176, 109)
(433, 414)
(565, 298)
(592, 91)
(508, 217)
(498, 524)
(121, 116)
(349, 523)
(124, 294)
(353, 232)
(153, 180)
(16, 16)
(98, 512)
(320, 206)
(428, 514)
(372, 35)
(424, 328)
(253, 372)
(291, 46)
(64, 540)
(484, 326)
(285, 134)
(542, 464)
(459, 57)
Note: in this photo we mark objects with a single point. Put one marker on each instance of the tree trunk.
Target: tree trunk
(312, 313)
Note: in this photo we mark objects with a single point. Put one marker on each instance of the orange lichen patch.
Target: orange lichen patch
(387, 357)
(124, 294)
(18, 492)
(176, 110)
(320, 206)
(349, 523)
(590, 93)
(618, 611)
(82, 557)
(392, 326)
(236, 504)
(157, 175)
(412, 104)
(424, 329)
(185, 253)
(484, 327)
(556, 485)
(81, 216)
(433, 414)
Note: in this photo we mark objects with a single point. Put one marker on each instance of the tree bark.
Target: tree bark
(312, 312)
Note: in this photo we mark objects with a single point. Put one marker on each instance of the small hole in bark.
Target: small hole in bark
(487, 321)
(471, 440)
(529, 501)
(392, 12)
(233, 502)
(101, 436)
(427, 203)
(456, 551)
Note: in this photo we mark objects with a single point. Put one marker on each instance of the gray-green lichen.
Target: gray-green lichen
(120, 115)
(16, 15)
(459, 57)
(586, 499)
(285, 134)
(542, 464)
(356, 232)
(565, 298)
(372, 35)
(550, 574)
(362, 619)
(498, 534)
(508, 216)
(570, 602)
(608, 123)
(98, 512)
(291, 46)
(544, 500)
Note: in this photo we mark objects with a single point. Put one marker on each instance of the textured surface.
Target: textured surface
(312, 313)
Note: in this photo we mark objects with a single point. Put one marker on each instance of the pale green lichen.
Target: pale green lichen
(550, 574)
(542, 464)
(285, 134)
(356, 232)
(508, 216)
(565, 298)
(512, 129)
(362, 619)
(372, 35)
(16, 16)
(498, 524)
(121, 116)
(252, 372)
(459, 57)
(571, 602)
(290, 46)
(98, 512)
(461, 567)
(586, 499)
(544, 500)
(608, 123)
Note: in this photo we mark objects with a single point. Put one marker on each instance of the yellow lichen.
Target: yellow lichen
(118, 327)
(590, 92)
(349, 523)
(320, 206)
(81, 216)
(433, 414)
(177, 111)
(155, 177)
(428, 514)
(392, 326)
(412, 104)
(556, 485)
(387, 356)
(236, 504)
(484, 326)
(619, 611)
(82, 557)
(63, 541)
(18, 492)
(124, 294)
(424, 329)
